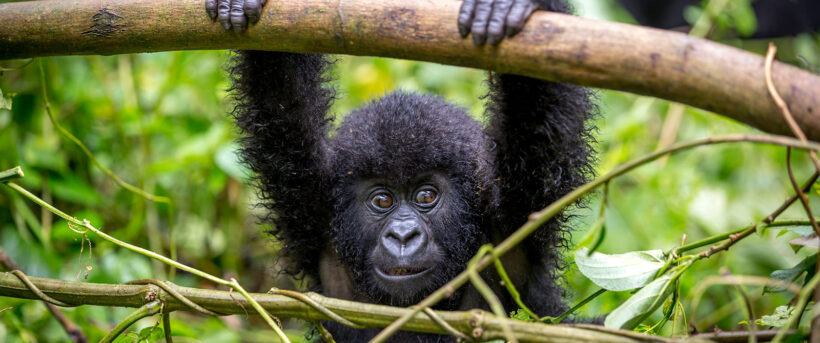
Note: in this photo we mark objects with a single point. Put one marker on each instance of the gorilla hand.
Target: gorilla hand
(491, 20)
(235, 14)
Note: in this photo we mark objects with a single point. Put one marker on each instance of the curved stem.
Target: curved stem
(148, 309)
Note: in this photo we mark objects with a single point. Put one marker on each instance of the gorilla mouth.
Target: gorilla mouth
(404, 271)
(401, 273)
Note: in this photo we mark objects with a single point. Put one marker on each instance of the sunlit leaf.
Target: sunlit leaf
(640, 305)
(5, 101)
(778, 319)
(620, 272)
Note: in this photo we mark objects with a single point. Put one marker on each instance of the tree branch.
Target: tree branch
(369, 315)
(553, 46)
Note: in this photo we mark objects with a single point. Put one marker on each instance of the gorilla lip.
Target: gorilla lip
(401, 273)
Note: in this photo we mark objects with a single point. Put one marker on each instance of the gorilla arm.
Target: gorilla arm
(543, 148)
(281, 111)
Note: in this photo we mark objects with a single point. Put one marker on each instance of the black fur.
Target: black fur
(535, 148)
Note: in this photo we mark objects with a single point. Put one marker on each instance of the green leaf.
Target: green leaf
(640, 305)
(679, 326)
(778, 319)
(802, 230)
(743, 18)
(620, 272)
(5, 101)
(791, 274)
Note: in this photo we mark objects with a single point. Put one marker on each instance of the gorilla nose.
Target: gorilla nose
(404, 238)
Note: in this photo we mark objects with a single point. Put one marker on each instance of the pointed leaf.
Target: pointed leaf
(791, 274)
(620, 272)
(640, 305)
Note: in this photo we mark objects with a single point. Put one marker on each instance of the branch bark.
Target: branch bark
(553, 46)
(486, 325)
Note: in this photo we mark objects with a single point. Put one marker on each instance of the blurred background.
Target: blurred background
(159, 121)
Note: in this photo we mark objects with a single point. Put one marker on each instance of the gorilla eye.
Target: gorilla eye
(382, 201)
(426, 197)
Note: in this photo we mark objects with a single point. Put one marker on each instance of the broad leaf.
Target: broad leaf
(791, 274)
(640, 305)
(620, 272)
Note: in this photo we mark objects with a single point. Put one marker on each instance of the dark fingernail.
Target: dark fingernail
(479, 39)
(226, 25)
(463, 30)
(494, 39)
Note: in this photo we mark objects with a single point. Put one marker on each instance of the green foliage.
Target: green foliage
(792, 274)
(640, 305)
(620, 272)
(159, 122)
(778, 319)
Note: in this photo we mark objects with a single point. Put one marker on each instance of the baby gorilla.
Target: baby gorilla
(394, 203)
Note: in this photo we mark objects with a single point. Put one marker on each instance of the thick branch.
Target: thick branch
(553, 46)
(370, 315)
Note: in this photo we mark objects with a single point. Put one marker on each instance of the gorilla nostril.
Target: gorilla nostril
(403, 238)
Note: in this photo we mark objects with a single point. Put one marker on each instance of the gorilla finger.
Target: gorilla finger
(224, 13)
(253, 10)
(238, 19)
(519, 13)
(495, 27)
(483, 10)
(465, 17)
(210, 7)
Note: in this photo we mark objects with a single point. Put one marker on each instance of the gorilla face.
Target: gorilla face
(411, 236)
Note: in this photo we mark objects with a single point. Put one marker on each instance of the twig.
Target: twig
(70, 328)
(733, 238)
(750, 312)
(444, 325)
(537, 219)
(261, 311)
(790, 200)
(11, 174)
(799, 192)
(704, 242)
(326, 336)
(305, 298)
(166, 327)
(580, 304)
(487, 292)
(87, 225)
(784, 108)
(168, 288)
(149, 309)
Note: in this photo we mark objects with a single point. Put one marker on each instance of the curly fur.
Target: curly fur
(535, 148)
